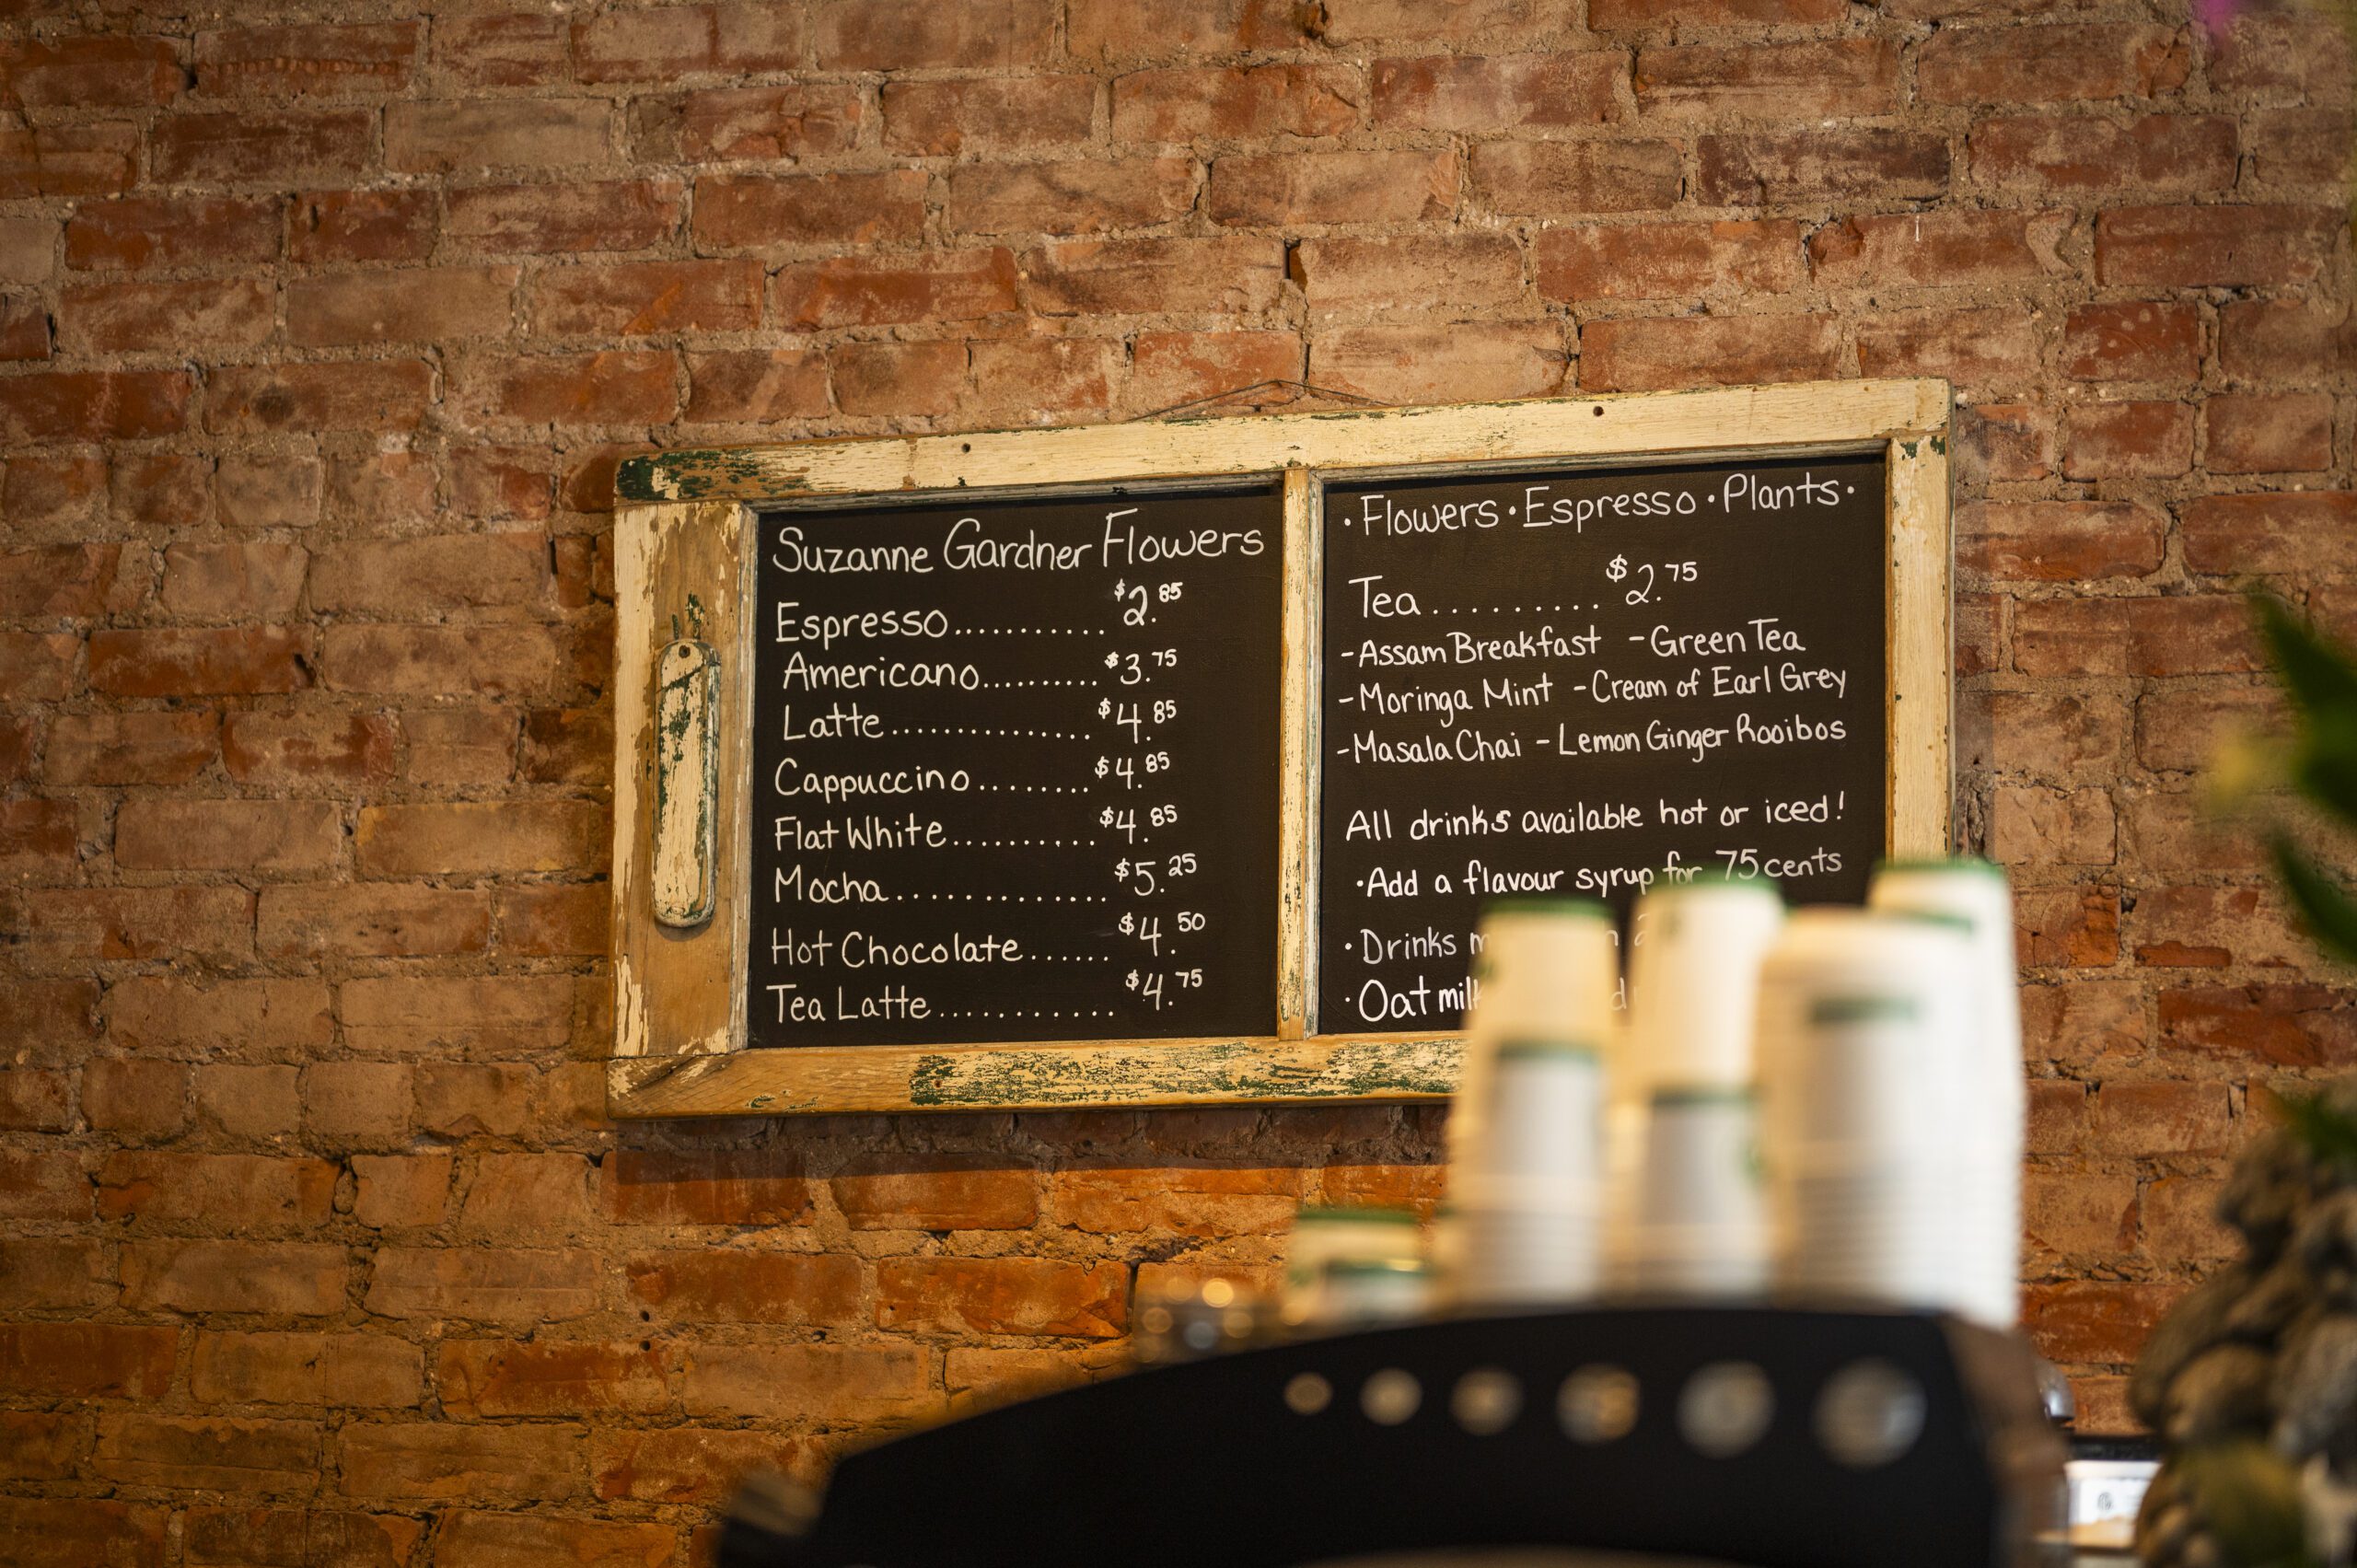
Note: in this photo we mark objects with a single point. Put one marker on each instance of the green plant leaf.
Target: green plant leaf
(2325, 904)
(2328, 1135)
(2318, 674)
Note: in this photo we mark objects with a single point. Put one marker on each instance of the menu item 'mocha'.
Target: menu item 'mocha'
(1015, 770)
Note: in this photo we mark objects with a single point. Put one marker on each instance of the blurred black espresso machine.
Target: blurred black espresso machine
(1750, 1436)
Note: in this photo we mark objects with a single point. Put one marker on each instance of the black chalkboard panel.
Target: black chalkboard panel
(1561, 684)
(1015, 770)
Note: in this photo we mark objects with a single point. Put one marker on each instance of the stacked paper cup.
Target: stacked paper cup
(1866, 1030)
(1685, 1202)
(1526, 1128)
(1977, 893)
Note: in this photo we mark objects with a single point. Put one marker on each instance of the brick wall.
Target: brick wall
(326, 323)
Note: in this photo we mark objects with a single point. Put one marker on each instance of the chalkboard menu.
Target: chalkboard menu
(1571, 683)
(1014, 770)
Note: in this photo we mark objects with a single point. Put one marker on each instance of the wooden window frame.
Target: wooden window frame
(683, 521)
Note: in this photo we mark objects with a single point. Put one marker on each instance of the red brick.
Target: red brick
(756, 386)
(518, 1541)
(155, 1014)
(2004, 441)
(949, 1192)
(136, 233)
(2133, 636)
(834, 1385)
(660, 43)
(376, 1371)
(1642, 354)
(494, 1284)
(461, 746)
(1465, 268)
(165, 835)
(732, 1286)
(1237, 275)
(91, 71)
(136, 1099)
(24, 329)
(67, 160)
(2287, 531)
(2220, 246)
(19, 733)
(56, 496)
(2040, 64)
(42, 1185)
(401, 1192)
(1463, 361)
(1821, 164)
(120, 1535)
(28, 249)
(423, 304)
(45, 1445)
(2281, 340)
(554, 922)
(371, 920)
(1979, 350)
(2212, 927)
(2281, 1025)
(462, 1100)
(1198, 1201)
(1939, 250)
(851, 291)
(2078, 155)
(233, 581)
(384, 394)
(568, 746)
(33, 1101)
(38, 839)
(461, 1461)
(240, 660)
(261, 144)
(2142, 1120)
(1169, 368)
(74, 581)
(898, 35)
(436, 572)
(2133, 340)
(633, 298)
(129, 316)
(512, 49)
(208, 1454)
(2073, 927)
(1668, 261)
(525, 1195)
(2180, 1221)
(1497, 93)
(2256, 433)
(1216, 102)
(1828, 79)
(328, 227)
(490, 483)
(92, 405)
(2178, 832)
(2060, 541)
(299, 1279)
(748, 1187)
(69, 925)
(2058, 1116)
(1625, 14)
(2093, 1321)
(1076, 197)
(2130, 440)
(284, 749)
(322, 59)
(479, 837)
(493, 1016)
(2296, 148)
(1519, 178)
(1283, 189)
(638, 387)
(439, 137)
(37, 666)
(171, 489)
(2078, 1216)
(481, 1377)
(216, 1192)
(2308, 57)
(610, 215)
(1023, 379)
(686, 1464)
(355, 1100)
(794, 120)
(249, 1102)
(1003, 1296)
(2083, 1022)
(1410, 21)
